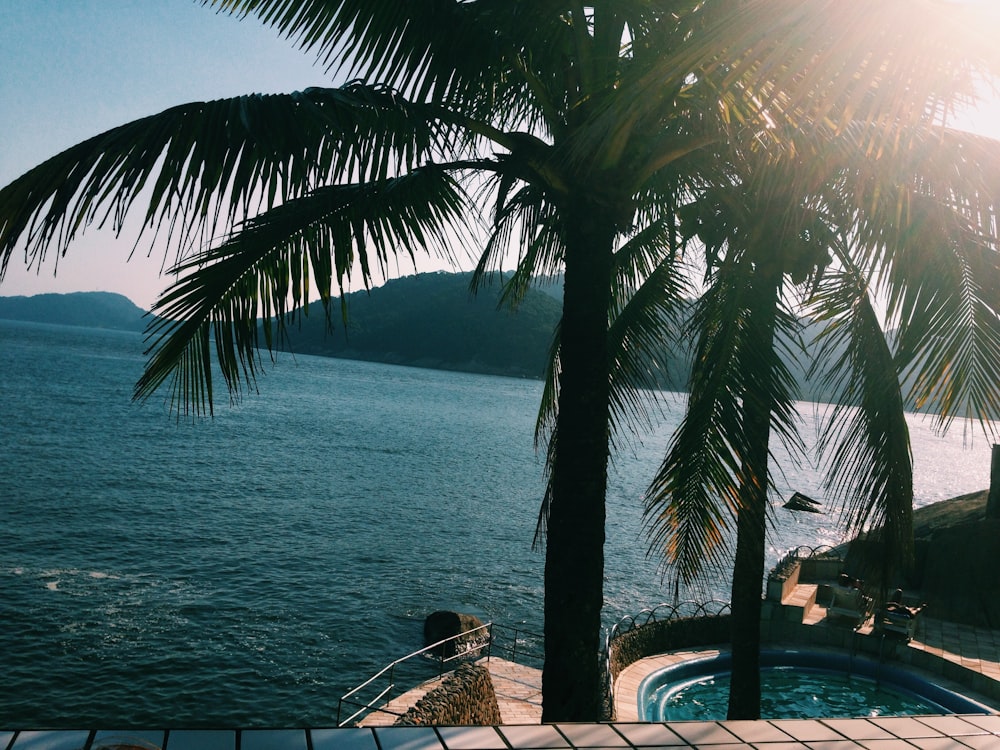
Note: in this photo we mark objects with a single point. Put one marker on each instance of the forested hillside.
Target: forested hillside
(427, 320)
(432, 320)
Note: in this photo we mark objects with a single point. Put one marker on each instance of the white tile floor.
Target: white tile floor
(927, 732)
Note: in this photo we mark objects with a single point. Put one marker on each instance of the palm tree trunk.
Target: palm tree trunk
(574, 560)
(751, 525)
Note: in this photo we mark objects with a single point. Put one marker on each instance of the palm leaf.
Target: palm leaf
(471, 55)
(204, 166)
(266, 269)
(528, 222)
(803, 65)
(546, 432)
(645, 327)
(865, 439)
(692, 501)
(943, 276)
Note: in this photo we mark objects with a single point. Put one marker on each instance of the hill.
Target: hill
(427, 320)
(86, 309)
(432, 320)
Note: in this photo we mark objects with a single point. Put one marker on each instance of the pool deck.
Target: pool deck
(954, 652)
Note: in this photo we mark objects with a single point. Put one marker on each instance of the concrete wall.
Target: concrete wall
(464, 698)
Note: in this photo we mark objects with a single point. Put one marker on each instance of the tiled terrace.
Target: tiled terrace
(900, 733)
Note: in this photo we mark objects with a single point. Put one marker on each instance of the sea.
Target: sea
(247, 569)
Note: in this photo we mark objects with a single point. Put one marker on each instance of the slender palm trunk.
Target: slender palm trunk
(574, 561)
(751, 527)
(748, 572)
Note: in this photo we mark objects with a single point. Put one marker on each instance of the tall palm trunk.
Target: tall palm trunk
(574, 560)
(751, 525)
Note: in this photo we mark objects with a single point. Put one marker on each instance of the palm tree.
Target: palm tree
(828, 231)
(583, 127)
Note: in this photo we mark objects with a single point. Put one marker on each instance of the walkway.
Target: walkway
(973, 648)
(518, 689)
(977, 649)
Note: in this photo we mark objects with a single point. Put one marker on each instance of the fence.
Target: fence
(662, 613)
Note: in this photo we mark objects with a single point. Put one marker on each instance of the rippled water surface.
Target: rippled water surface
(788, 693)
(251, 568)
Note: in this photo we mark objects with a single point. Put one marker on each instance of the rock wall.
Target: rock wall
(464, 630)
(464, 698)
(667, 635)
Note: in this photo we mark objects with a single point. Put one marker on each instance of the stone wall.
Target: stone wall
(667, 635)
(464, 698)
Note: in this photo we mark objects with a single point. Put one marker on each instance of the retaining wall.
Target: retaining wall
(667, 635)
(464, 698)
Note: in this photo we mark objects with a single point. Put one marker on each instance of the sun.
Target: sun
(984, 117)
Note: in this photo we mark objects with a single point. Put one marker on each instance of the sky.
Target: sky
(70, 69)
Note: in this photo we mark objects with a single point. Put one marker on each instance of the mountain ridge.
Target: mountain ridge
(429, 320)
(84, 309)
(433, 320)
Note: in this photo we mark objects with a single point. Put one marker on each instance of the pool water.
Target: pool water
(799, 684)
(788, 693)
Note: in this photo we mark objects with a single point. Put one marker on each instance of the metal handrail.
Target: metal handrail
(516, 651)
(473, 646)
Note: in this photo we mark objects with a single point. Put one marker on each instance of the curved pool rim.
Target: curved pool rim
(905, 680)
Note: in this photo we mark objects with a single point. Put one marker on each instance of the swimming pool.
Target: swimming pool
(798, 684)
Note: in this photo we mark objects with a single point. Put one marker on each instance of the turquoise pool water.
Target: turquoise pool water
(798, 684)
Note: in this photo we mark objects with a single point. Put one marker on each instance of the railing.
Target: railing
(659, 613)
(517, 645)
(434, 660)
(711, 608)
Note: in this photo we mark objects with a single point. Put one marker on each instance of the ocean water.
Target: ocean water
(251, 568)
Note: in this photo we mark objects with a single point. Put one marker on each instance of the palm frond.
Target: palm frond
(546, 432)
(202, 167)
(949, 337)
(942, 274)
(782, 65)
(645, 330)
(693, 499)
(738, 370)
(865, 439)
(480, 55)
(266, 269)
(539, 240)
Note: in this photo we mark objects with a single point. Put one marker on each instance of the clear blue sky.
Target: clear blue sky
(73, 68)
(70, 69)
